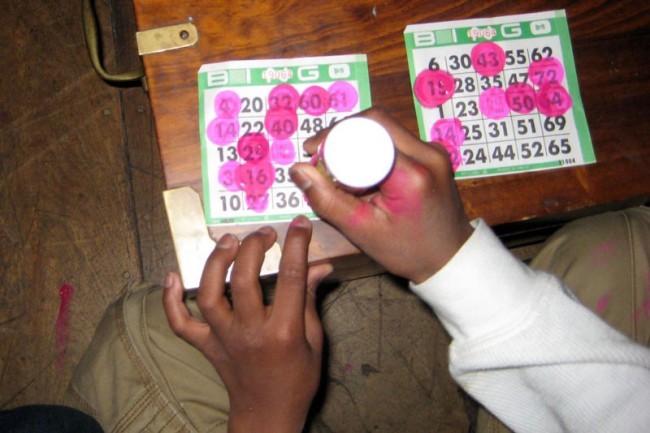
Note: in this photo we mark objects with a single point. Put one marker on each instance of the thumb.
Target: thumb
(328, 201)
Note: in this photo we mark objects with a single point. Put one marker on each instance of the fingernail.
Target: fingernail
(267, 230)
(169, 280)
(300, 178)
(300, 221)
(226, 242)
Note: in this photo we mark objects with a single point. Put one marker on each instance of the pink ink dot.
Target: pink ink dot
(602, 303)
(283, 152)
(315, 100)
(228, 176)
(255, 178)
(488, 58)
(227, 104)
(66, 292)
(553, 100)
(545, 71)
(493, 103)
(521, 97)
(343, 96)
(433, 88)
(281, 122)
(257, 202)
(253, 147)
(284, 96)
(223, 131)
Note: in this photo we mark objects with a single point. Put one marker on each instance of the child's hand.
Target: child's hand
(269, 357)
(413, 224)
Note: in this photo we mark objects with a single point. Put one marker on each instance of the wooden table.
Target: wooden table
(609, 43)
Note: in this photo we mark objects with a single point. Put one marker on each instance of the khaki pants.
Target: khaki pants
(605, 261)
(137, 376)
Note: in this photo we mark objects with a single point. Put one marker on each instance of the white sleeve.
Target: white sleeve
(530, 353)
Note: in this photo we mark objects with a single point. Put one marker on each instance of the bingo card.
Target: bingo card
(500, 94)
(254, 117)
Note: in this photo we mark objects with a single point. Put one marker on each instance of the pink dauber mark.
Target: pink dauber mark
(315, 100)
(521, 98)
(433, 88)
(66, 292)
(488, 58)
(227, 104)
(553, 100)
(284, 96)
(545, 71)
(228, 176)
(281, 122)
(257, 202)
(223, 131)
(343, 96)
(253, 147)
(448, 130)
(450, 134)
(493, 103)
(283, 152)
(255, 178)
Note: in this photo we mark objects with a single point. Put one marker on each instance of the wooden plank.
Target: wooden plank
(613, 80)
(156, 251)
(64, 198)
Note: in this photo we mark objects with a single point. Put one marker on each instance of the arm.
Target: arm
(268, 356)
(521, 346)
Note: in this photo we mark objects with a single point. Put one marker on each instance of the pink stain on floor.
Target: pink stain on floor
(66, 292)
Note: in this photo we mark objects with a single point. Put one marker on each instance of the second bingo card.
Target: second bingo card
(254, 117)
(500, 94)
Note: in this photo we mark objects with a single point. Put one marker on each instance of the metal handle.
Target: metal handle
(92, 43)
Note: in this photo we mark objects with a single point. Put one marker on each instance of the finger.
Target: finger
(245, 286)
(211, 297)
(313, 327)
(180, 321)
(289, 303)
(404, 140)
(335, 205)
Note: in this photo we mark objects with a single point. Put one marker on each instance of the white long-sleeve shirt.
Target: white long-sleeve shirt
(529, 352)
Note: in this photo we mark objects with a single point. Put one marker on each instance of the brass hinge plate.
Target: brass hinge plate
(166, 38)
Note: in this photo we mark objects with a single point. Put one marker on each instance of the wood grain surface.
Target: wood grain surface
(607, 40)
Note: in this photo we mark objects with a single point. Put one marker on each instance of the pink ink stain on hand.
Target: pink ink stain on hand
(553, 100)
(488, 59)
(399, 195)
(494, 103)
(66, 292)
(315, 100)
(433, 88)
(343, 96)
(546, 71)
(521, 98)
